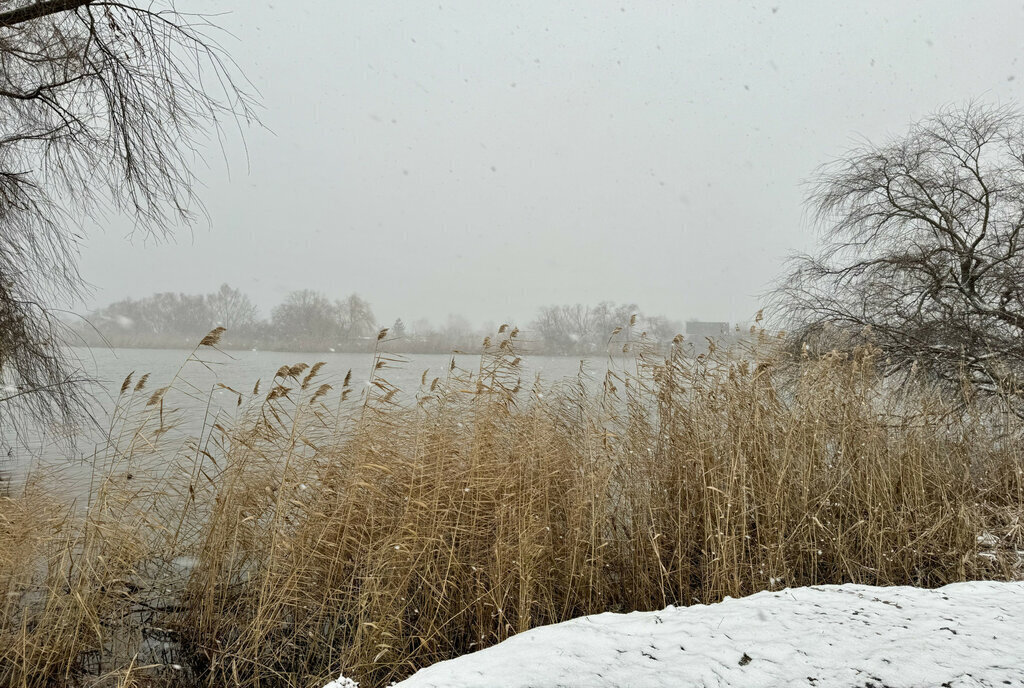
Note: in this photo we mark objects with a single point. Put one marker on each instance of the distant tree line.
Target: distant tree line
(583, 329)
(308, 320)
(305, 320)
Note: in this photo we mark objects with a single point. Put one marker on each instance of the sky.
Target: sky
(487, 158)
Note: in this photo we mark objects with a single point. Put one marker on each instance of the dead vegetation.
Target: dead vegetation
(316, 530)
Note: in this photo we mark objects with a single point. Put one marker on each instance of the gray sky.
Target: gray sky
(487, 158)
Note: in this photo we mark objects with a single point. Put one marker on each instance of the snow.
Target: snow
(966, 635)
(342, 683)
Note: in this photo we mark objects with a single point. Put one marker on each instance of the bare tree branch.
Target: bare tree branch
(921, 253)
(104, 107)
(38, 10)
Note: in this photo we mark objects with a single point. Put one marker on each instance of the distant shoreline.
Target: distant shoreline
(399, 351)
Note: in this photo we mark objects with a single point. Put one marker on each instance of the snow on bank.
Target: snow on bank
(965, 635)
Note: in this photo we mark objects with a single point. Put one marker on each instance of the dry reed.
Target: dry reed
(328, 530)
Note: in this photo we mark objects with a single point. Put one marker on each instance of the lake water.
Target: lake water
(198, 379)
(241, 369)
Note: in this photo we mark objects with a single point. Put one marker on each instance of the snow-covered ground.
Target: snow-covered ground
(965, 635)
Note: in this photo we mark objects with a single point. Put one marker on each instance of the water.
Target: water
(241, 369)
(196, 389)
(70, 476)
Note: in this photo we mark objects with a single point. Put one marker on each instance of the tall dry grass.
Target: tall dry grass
(319, 530)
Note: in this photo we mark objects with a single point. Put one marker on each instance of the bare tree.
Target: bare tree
(356, 317)
(231, 308)
(661, 328)
(583, 329)
(103, 106)
(307, 318)
(564, 329)
(922, 252)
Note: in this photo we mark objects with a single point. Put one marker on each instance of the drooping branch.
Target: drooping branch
(103, 106)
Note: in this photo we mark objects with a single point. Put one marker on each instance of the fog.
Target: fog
(490, 158)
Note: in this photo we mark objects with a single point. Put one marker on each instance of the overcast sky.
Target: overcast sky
(486, 158)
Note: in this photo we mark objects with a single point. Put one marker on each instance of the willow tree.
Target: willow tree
(104, 107)
(923, 253)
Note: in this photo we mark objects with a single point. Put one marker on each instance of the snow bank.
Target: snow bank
(965, 635)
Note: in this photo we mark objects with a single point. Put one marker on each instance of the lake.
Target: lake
(198, 380)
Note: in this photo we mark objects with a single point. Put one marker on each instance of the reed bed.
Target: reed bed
(320, 529)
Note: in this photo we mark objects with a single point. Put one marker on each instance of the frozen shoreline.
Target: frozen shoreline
(964, 635)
